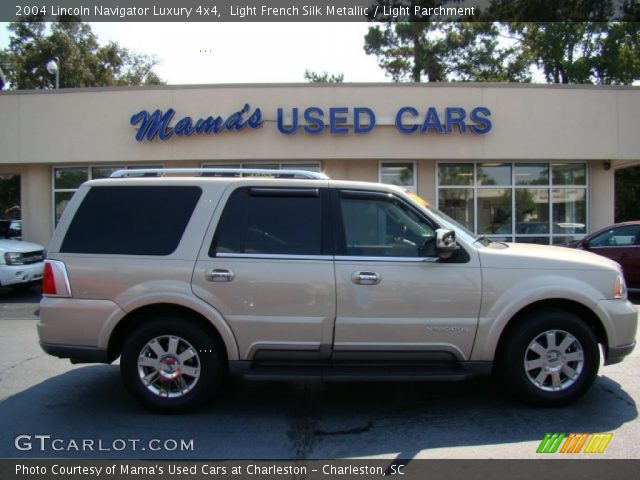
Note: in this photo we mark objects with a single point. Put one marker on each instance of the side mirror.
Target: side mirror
(446, 244)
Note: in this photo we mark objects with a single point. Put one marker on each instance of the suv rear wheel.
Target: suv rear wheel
(551, 359)
(171, 365)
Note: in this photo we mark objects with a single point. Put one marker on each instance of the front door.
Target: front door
(396, 300)
(621, 244)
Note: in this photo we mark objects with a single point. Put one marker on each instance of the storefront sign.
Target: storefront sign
(315, 121)
(158, 123)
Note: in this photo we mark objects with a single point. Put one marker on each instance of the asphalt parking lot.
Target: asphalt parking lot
(41, 395)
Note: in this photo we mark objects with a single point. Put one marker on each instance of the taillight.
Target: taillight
(55, 281)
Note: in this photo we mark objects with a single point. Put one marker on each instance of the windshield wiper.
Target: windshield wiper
(482, 238)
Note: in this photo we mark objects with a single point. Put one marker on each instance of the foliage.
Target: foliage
(444, 52)
(573, 41)
(323, 77)
(579, 53)
(82, 61)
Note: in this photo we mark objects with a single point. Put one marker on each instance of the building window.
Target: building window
(402, 174)
(308, 166)
(522, 202)
(10, 206)
(66, 180)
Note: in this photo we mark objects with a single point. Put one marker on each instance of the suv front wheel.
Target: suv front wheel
(171, 365)
(551, 358)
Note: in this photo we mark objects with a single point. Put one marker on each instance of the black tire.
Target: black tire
(184, 392)
(561, 377)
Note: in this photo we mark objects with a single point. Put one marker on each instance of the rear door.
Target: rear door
(396, 299)
(268, 269)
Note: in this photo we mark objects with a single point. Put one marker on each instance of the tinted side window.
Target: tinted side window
(131, 220)
(270, 221)
(385, 227)
(617, 237)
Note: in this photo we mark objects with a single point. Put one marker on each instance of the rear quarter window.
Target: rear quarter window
(131, 220)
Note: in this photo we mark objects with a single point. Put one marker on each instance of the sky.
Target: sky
(209, 53)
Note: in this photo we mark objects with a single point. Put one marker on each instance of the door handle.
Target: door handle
(219, 275)
(366, 278)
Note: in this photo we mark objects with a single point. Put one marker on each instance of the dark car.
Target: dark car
(619, 242)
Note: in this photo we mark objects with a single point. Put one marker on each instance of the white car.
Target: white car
(21, 263)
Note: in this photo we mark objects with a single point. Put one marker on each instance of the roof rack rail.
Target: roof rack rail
(205, 172)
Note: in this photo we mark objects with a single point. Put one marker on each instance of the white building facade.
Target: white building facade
(516, 162)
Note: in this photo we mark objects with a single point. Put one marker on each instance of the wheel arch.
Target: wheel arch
(580, 310)
(146, 313)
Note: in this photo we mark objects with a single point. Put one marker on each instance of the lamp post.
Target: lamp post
(53, 69)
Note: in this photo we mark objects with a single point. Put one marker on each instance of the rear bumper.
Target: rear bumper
(77, 328)
(617, 354)
(76, 353)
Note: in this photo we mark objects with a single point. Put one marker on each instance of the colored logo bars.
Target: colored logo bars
(574, 443)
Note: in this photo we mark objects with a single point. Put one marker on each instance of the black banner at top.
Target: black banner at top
(322, 10)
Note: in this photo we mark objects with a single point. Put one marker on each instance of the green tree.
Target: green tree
(572, 41)
(582, 52)
(576, 41)
(406, 51)
(475, 53)
(324, 77)
(82, 61)
(436, 52)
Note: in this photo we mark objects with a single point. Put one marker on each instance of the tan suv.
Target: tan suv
(189, 278)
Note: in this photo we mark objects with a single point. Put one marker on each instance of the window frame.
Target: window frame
(316, 166)
(413, 188)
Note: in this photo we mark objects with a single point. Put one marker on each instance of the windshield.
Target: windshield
(9, 229)
(4, 228)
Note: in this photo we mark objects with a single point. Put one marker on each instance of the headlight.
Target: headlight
(620, 287)
(13, 258)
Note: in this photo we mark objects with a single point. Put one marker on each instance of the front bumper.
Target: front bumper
(620, 319)
(20, 274)
(617, 354)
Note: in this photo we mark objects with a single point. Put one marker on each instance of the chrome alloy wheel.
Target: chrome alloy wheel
(554, 360)
(169, 366)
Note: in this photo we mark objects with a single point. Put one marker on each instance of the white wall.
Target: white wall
(529, 122)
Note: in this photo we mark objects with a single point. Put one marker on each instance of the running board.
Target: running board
(356, 373)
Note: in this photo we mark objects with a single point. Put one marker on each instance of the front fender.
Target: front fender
(526, 289)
